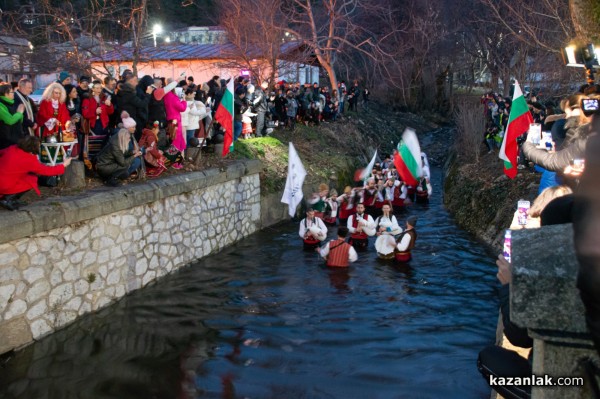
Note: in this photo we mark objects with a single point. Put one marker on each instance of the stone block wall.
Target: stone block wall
(60, 260)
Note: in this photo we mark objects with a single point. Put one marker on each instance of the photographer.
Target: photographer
(559, 161)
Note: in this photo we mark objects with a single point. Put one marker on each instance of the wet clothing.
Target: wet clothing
(338, 253)
(313, 227)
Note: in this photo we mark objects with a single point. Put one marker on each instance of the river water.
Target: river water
(265, 319)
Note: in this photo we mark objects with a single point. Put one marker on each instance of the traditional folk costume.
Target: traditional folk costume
(360, 227)
(369, 198)
(338, 253)
(347, 202)
(423, 191)
(404, 244)
(386, 243)
(400, 195)
(317, 200)
(331, 211)
(312, 231)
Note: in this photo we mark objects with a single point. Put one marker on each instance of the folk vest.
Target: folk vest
(369, 198)
(413, 237)
(339, 252)
(362, 235)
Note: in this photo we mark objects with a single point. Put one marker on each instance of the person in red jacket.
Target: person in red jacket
(53, 112)
(96, 109)
(20, 170)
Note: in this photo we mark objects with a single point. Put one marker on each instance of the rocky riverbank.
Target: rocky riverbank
(332, 151)
(482, 199)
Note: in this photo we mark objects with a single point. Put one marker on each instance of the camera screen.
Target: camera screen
(590, 104)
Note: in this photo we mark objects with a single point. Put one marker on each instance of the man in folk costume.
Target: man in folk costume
(370, 196)
(387, 227)
(406, 241)
(317, 200)
(347, 204)
(331, 208)
(400, 195)
(338, 253)
(312, 229)
(361, 226)
(386, 194)
(424, 190)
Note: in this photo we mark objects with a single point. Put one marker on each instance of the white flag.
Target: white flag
(292, 195)
(367, 172)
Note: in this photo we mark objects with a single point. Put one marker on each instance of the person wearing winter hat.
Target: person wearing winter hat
(64, 78)
(406, 240)
(121, 157)
(128, 100)
(83, 89)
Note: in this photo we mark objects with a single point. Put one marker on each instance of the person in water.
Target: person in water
(387, 227)
(361, 226)
(338, 253)
(406, 241)
(312, 229)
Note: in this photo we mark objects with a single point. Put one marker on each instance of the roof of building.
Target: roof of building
(14, 41)
(186, 52)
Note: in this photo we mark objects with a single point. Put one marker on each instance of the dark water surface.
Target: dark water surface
(264, 319)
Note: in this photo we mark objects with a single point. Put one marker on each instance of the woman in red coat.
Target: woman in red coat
(20, 170)
(53, 111)
(96, 109)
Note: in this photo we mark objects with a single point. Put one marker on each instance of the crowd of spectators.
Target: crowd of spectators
(129, 128)
(565, 160)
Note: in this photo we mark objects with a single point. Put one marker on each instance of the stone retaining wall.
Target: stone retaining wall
(62, 259)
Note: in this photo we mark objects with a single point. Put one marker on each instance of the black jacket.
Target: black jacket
(239, 107)
(156, 111)
(136, 107)
(27, 123)
(10, 134)
(516, 335)
(111, 159)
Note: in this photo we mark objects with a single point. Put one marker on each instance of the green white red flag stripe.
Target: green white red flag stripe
(224, 116)
(518, 123)
(407, 158)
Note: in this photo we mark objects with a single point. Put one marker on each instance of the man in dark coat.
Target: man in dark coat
(22, 93)
(260, 107)
(136, 107)
(83, 88)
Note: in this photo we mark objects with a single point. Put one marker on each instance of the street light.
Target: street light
(156, 30)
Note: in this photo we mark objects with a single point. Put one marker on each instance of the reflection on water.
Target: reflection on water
(265, 319)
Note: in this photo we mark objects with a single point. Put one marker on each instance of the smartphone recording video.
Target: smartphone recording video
(590, 106)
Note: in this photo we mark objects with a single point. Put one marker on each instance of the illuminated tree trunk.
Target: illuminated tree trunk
(584, 14)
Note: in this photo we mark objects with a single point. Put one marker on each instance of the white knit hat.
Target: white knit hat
(127, 120)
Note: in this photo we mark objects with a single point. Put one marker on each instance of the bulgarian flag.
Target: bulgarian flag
(407, 159)
(224, 116)
(518, 123)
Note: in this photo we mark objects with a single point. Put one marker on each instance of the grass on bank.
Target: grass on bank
(325, 158)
